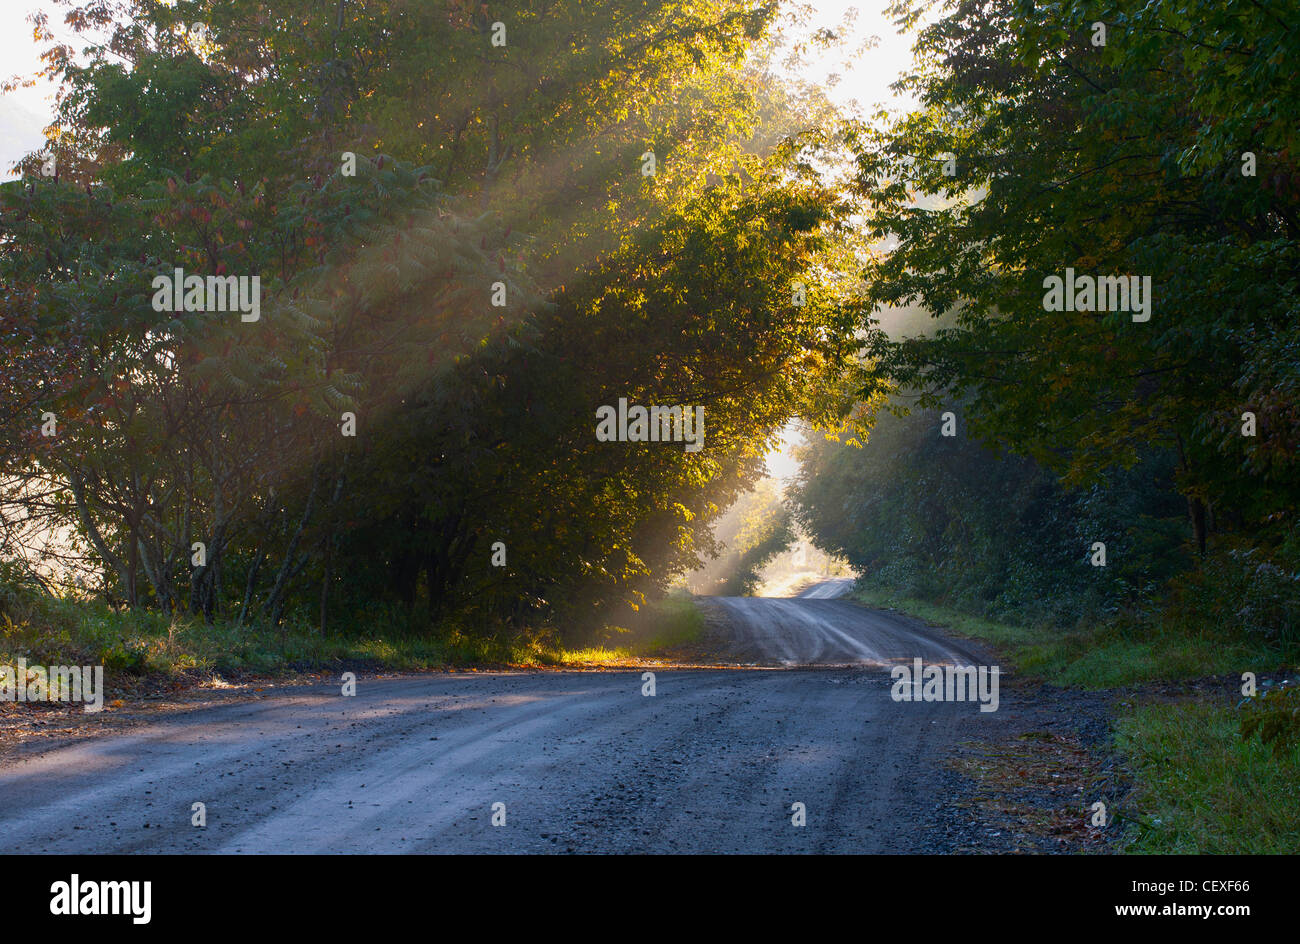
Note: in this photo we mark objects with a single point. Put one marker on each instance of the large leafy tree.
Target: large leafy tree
(597, 173)
(1119, 159)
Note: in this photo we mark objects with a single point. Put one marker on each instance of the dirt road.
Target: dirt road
(713, 761)
(816, 628)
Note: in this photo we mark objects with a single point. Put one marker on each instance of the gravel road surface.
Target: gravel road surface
(582, 761)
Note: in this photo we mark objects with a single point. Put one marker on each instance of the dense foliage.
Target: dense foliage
(946, 518)
(503, 261)
(1114, 138)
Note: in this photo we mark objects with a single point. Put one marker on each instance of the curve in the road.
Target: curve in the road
(818, 628)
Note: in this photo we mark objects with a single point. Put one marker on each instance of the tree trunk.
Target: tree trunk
(290, 567)
(1196, 510)
(325, 586)
(1195, 505)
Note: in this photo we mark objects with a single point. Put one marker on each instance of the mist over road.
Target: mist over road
(583, 761)
(816, 628)
(827, 589)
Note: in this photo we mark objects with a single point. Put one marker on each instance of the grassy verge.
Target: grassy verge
(661, 629)
(138, 645)
(1203, 789)
(1123, 652)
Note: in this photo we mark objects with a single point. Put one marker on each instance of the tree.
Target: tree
(464, 253)
(1123, 159)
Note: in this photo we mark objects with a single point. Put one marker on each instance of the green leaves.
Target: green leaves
(1122, 159)
(496, 269)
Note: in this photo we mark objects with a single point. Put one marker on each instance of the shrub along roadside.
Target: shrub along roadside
(136, 645)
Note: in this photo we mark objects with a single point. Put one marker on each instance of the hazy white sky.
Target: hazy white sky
(24, 113)
(867, 77)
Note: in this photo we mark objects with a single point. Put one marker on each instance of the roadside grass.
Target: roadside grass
(1202, 789)
(1126, 651)
(668, 624)
(129, 644)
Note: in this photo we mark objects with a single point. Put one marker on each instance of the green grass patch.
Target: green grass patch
(661, 627)
(48, 631)
(1125, 651)
(1199, 788)
(1202, 789)
(70, 632)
